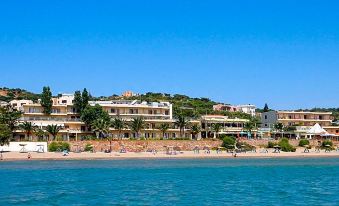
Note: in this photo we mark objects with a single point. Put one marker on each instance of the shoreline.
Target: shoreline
(56, 156)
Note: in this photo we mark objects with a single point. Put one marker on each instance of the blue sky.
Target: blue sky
(284, 53)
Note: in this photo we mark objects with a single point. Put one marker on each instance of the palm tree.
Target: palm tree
(195, 129)
(181, 123)
(119, 125)
(216, 129)
(163, 128)
(28, 127)
(137, 125)
(279, 127)
(100, 126)
(39, 133)
(249, 126)
(53, 130)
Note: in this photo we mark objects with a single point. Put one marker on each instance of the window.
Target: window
(173, 135)
(166, 112)
(131, 111)
(112, 110)
(15, 104)
(265, 125)
(64, 101)
(150, 112)
(265, 116)
(155, 111)
(320, 117)
(337, 131)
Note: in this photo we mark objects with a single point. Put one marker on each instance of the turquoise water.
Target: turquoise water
(171, 182)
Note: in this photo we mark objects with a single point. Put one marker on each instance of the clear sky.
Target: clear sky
(284, 53)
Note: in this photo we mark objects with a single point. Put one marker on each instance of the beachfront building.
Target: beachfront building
(332, 129)
(64, 115)
(295, 118)
(246, 108)
(229, 126)
(296, 124)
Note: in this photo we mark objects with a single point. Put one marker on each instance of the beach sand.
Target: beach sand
(12, 156)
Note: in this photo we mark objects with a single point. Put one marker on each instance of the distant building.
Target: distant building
(19, 104)
(128, 94)
(295, 118)
(246, 108)
(225, 107)
(3, 103)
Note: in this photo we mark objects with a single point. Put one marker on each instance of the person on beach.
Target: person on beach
(29, 156)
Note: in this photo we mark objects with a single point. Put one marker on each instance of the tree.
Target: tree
(46, 100)
(181, 123)
(279, 127)
(195, 129)
(101, 127)
(40, 133)
(119, 125)
(248, 127)
(85, 98)
(53, 130)
(77, 104)
(91, 113)
(5, 134)
(9, 116)
(266, 109)
(137, 125)
(28, 127)
(163, 128)
(216, 129)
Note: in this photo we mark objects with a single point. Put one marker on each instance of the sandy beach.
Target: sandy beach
(13, 156)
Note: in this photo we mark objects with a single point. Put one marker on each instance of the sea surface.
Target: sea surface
(289, 181)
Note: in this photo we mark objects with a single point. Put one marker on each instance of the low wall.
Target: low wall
(294, 142)
(144, 145)
(29, 146)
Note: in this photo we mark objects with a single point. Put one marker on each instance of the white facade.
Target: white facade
(18, 104)
(247, 108)
(28, 147)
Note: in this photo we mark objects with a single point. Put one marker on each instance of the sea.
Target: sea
(237, 181)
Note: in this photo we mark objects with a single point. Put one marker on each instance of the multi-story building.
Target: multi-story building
(295, 118)
(228, 125)
(64, 115)
(246, 108)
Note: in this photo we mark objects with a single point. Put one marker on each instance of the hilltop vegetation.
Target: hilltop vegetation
(7, 94)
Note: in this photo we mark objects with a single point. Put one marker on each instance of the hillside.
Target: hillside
(7, 94)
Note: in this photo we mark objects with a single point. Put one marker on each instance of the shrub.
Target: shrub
(58, 146)
(228, 142)
(327, 142)
(304, 142)
(245, 146)
(88, 137)
(271, 144)
(286, 146)
(88, 148)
